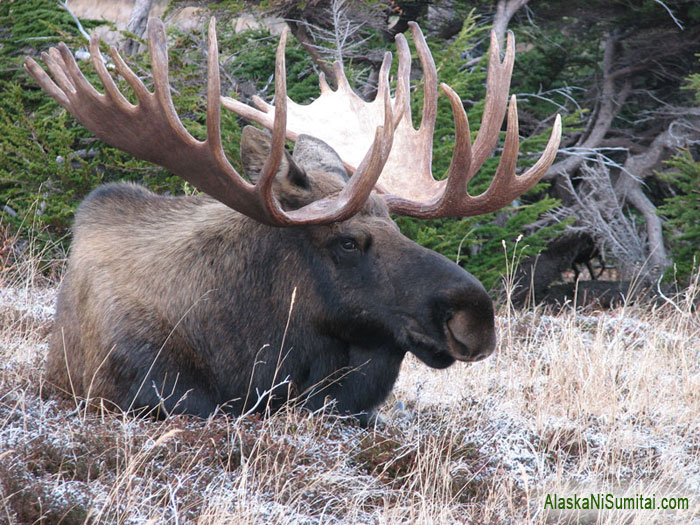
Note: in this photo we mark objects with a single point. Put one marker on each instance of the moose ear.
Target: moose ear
(315, 155)
(255, 149)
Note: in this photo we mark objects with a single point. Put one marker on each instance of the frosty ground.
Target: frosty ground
(572, 403)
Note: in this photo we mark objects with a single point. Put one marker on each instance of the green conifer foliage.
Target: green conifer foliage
(682, 210)
(683, 214)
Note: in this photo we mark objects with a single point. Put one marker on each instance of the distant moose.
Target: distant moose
(293, 284)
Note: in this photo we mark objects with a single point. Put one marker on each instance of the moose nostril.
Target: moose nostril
(476, 337)
(461, 327)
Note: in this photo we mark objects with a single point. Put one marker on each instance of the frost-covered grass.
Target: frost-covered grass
(572, 403)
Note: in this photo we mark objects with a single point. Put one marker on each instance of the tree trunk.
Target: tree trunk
(606, 111)
(628, 188)
(505, 9)
(137, 25)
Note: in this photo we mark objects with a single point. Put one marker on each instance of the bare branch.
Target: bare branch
(329, 45)
(64, 5)
(608, 108)
(670, 13)
(599, 204)
(566, 92)
(636, 169)
(600, 214)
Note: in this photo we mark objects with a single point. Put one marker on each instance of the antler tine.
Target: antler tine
(340, 79)
(45, 81)
(505, 186)
(496, 101)
(322, 83)
(142, 94)
(264, 185)
(214, 95)
(403, 82)
(461, 165)
(158, 50)
(430, 93)
(533, 175)
(383, 86)
(110, 87)
(383, 78)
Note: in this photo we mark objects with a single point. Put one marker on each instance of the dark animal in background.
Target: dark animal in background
(184, 304)
(535, 275)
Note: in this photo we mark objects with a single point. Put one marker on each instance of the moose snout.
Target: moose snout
(470, 334)
(461, 310)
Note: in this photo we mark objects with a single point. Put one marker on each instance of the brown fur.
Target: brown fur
(181, 303)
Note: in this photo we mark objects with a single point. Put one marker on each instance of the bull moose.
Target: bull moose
(293, 284)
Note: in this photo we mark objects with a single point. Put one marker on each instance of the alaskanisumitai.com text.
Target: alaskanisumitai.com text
(602, 501)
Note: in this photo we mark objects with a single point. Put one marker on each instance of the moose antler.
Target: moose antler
(407, 183)
(151, 130)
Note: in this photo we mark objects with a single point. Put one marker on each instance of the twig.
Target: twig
(64, 5)
(262, 396)
(670, 13)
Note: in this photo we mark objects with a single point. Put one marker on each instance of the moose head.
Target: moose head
(183, 304)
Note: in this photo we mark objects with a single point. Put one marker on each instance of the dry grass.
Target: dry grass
(572, 403)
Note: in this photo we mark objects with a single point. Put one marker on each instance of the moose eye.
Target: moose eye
(348, 245)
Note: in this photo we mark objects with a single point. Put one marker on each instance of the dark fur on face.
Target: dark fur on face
(182, 304)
